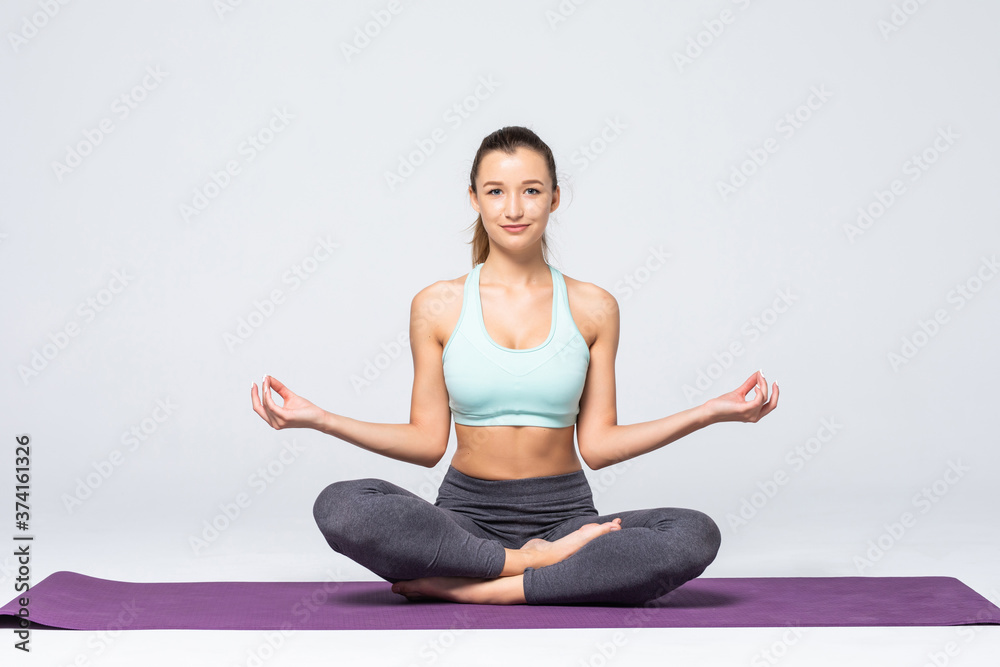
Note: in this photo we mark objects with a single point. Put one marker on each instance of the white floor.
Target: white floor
(293, 556)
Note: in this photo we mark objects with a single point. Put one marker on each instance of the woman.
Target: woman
(519, 354)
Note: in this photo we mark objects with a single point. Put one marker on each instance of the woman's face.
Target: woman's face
(515, 197)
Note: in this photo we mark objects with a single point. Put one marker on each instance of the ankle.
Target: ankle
(517, 561)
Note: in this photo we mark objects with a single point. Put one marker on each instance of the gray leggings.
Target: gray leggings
(400, 536)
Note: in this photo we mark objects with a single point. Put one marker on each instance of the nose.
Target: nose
(513, 209)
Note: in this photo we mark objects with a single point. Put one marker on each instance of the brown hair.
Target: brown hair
(507, 139)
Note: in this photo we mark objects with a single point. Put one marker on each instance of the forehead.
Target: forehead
(523, 162)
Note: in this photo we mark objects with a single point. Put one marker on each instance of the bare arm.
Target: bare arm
(604, 442)
(422, 441)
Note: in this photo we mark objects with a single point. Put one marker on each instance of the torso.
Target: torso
(517, 321)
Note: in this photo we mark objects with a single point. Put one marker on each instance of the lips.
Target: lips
(514, 228)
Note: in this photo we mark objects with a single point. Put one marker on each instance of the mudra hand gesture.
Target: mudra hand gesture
(296, 412)
(735, 407)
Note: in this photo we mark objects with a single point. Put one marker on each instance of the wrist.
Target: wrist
(705, 415)
(325, 422)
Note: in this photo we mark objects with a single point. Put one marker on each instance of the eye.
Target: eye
(536, 190)
(493, 190)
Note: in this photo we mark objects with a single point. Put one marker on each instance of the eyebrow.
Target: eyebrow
(522, 182)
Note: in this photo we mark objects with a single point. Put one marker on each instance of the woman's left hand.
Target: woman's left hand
(735, 407)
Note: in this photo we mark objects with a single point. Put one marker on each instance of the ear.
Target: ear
(555, 200)
(474, 200)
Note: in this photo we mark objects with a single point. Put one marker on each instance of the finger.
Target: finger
(763, 388)
(266, 386)
(745, 388)
(771, 404)
(759, 393)
(254, 400)
(277, 385)
(271, 409)
(258, 407)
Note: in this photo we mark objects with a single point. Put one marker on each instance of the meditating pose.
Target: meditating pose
(519, 354)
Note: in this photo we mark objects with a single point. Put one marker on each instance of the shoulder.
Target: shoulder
(592, 297)
(594, 308)
(438, 304)
(438, 294)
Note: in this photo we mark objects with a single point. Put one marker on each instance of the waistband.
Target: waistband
(550, 488)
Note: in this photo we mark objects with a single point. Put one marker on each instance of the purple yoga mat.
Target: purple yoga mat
(77, 602)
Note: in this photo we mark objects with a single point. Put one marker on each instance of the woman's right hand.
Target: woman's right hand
(296, 412)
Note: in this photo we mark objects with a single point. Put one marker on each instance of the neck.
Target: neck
(515, 271)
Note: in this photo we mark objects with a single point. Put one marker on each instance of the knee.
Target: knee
(338, 503)
(702, 538)
(707, 535)
(692, 536)
(692, 540)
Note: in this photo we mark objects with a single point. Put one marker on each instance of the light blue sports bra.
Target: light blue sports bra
(492, 385)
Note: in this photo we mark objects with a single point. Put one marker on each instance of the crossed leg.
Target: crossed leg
(652, 552)
(508, 588)
(655, 551)
(429, 551)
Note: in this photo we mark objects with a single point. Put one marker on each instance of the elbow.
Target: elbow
(428, 445)
(592, 461)
(595, 458)
(431, 462)
(436, 453)
(594, 464)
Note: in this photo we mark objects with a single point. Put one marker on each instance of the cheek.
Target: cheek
(538, 207)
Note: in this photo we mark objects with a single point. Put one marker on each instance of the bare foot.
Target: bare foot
(504, 590)
(545, 553)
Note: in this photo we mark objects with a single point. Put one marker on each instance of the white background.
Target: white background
(648, 107)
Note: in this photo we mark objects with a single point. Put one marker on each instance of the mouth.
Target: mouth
(514, 228)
